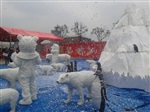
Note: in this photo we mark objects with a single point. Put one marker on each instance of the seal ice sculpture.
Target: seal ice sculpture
(10, 75)
(9, 96)
(26, 60)
(55, 57)
(78, 81)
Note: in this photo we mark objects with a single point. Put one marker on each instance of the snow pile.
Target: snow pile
(124, 65)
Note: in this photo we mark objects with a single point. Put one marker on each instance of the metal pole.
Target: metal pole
(10, 41)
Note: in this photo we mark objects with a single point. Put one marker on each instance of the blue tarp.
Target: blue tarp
(51, 97)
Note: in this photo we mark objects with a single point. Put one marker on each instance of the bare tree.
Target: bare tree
(60, 30)
(101, 33)
(115, 24)
(79, 29)
(64, 30)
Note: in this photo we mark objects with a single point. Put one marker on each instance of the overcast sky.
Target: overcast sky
(44, 15)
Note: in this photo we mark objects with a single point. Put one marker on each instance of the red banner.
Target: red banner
(45, 50)
(89, 50)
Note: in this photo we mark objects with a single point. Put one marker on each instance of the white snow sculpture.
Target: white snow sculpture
(132, 16)
(96, 93)
(123, 66)
(9, 96)
(47, 69)
(55, 57)
(78, 81)
(10, 75)
(59, 67)
(26, 60)
(12, 65)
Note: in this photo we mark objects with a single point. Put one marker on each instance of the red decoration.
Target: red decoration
(89, 50)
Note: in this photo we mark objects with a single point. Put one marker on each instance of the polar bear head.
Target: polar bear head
(27, 46)
(63, 79)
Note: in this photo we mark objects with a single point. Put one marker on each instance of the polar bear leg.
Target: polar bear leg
(90, 91)
(13, 100)
(13, 106)
(81, 100)
(69, 95)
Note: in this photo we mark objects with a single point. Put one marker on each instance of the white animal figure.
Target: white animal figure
(77, 80)
(55, 57)
(93, 65)
(9, 96)
(61, 58)
(11, 75)
(47, 69)
(59, 67)
(96, 93)
(12, 65)
(26, 60)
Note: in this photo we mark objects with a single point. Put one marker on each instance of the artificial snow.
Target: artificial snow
(51, 96)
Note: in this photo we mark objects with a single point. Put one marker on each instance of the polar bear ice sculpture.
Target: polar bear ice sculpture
(9, 96)
(77, 80)
(47, 69)
(58, 66)
(61, 58)
(11, 75)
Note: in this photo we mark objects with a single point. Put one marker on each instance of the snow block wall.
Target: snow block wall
(126, 56)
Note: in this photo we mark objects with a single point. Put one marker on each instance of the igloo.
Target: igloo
(125, 59)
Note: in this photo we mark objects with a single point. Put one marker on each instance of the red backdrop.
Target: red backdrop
(89, 50)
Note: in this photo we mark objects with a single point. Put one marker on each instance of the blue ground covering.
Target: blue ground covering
(52, 95)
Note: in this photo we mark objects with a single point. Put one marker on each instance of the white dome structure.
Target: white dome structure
(126, 56)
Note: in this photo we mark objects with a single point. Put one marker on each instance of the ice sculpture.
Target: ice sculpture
(123, 66)
(47, 69)
(10, 75)
(26, 60)
(133, 16)
(54, 53)
(78, 81)
(59, 67)
(9, 96)
(96, 94)
(55, 57)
